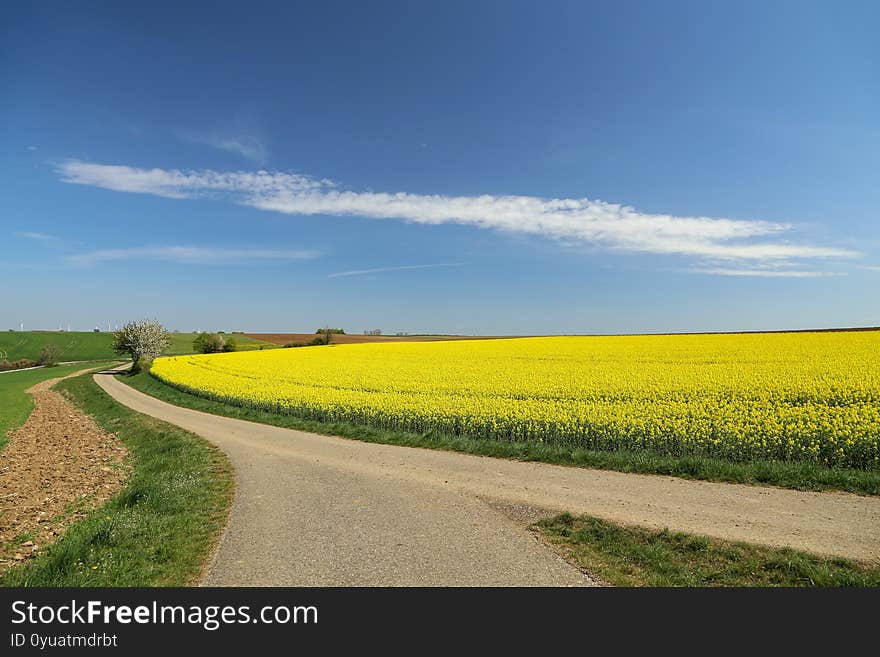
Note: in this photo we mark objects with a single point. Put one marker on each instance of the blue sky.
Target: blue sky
(456, 167)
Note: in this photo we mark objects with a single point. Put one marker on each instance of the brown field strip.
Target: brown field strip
(288, 338)
(56, 467)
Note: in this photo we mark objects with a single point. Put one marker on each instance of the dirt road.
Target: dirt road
(321, 510)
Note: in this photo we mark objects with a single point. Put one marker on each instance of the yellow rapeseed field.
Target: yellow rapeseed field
(794, 396)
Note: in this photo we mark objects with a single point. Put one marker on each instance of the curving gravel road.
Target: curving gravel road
(321, 510)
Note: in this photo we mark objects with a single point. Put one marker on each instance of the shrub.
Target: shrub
(209, 343)
(22, 363)
(325, 335)
(50, 355)
(143, 364)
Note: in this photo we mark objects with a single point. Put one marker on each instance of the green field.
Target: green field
(15, 403)
(82, 345)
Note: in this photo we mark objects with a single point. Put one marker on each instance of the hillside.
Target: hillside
(82, 345)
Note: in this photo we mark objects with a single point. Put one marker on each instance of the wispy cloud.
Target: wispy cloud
(174, 183)
(48, 241)
(193, 255)
(378, 270)
(248, 147)
(873, 267)
(582, 221)
(37, 237)
(768, 273)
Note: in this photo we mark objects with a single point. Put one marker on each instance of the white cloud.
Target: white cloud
(38, 237)
(873, 267)
(250, 148)
(194, 255)
(769, 273)
(377, 270)
(582, 221)
(174, 183)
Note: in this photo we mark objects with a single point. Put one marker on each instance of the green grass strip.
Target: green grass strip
(800, 476)
(161, 528)
(630, 556)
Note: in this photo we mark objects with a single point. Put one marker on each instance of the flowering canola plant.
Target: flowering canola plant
(791, 396)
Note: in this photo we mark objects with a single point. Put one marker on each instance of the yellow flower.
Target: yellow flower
(791, 396)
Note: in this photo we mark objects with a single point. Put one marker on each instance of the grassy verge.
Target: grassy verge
(16, 404)
(160, 529)
(802, 476)
(629, 556)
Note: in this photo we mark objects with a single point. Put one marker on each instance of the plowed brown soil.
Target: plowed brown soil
(56, 467)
